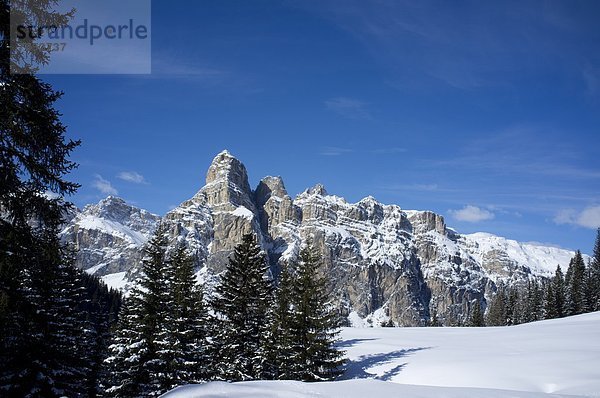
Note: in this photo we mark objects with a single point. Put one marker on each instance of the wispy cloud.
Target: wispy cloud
(171, 68)
(334, 151)
(392, 150)
(104, 186)
(348, 107)
(523, 150)
(472, 214)
(589, 217)
(422, 187)
(132, 176)
(461, 46)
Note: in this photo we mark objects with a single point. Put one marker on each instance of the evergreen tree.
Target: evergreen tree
(241, 304)
(280, 358)
(497, 312)
(39, 290)
(533, 303)
(594, 276)
(513, 309)
(576, 285)
(550, 306)
(477, 315)
(137, 366)
(101, 310)
(315, 324)
(558, 287)
(184, 335)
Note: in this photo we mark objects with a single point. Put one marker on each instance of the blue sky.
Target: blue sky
(485, 112)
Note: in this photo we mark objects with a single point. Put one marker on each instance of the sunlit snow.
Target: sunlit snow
(543, 359)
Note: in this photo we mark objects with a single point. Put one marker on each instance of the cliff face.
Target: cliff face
(383, 262)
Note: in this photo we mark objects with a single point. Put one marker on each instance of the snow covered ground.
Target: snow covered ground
(543, 359)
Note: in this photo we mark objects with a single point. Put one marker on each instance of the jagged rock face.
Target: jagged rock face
(382, 262)
(227, 184)
(274, 203)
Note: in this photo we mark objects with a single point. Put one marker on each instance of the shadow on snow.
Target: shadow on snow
(357, 369)
(350, 343)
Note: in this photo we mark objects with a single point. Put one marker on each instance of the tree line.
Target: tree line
(168, 335)
(572, 293)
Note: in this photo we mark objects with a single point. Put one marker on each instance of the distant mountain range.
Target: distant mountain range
(383, 262)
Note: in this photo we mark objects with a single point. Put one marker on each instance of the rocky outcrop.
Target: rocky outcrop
(383, 262)
(108, 237)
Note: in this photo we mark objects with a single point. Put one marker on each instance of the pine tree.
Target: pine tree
(550, 306)
(497, 315)
(594, 276)
(315, 324)
(241, 304)
(137, 367)
(555, 300)
(576, 285)
(513, 307)
(280, 354)
(532, 303)
(477, 315)
(558, 287)
(102, 307)
(185, 334)
(36, 282)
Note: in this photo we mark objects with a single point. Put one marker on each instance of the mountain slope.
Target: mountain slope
(383, 262)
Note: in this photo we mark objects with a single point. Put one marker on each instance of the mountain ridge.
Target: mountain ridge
(384, 262)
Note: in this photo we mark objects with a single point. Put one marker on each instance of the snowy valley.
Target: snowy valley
(553, 358)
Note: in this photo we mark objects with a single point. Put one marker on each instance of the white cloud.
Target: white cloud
(132, 176)
(104, 186)
(348, 107)
(587, 218)
(472, 214)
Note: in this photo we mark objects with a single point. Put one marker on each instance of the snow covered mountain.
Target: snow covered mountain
(384, 262)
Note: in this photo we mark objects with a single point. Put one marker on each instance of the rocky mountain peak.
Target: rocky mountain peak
(267, 187)
(227, 184)
(318, 189)
(111, 208)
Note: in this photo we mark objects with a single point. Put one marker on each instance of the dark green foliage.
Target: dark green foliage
(161, 338)
(45, 339)
(532, 303)
(241, 304)
(497, 311)
(101, 308)
(554, 300)
(594, 277)
(576, 286)
(184, 335)
(477, 315)
(44, 331)
(136, 367)
(315, 323)
(280, 352)
(513, 307)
